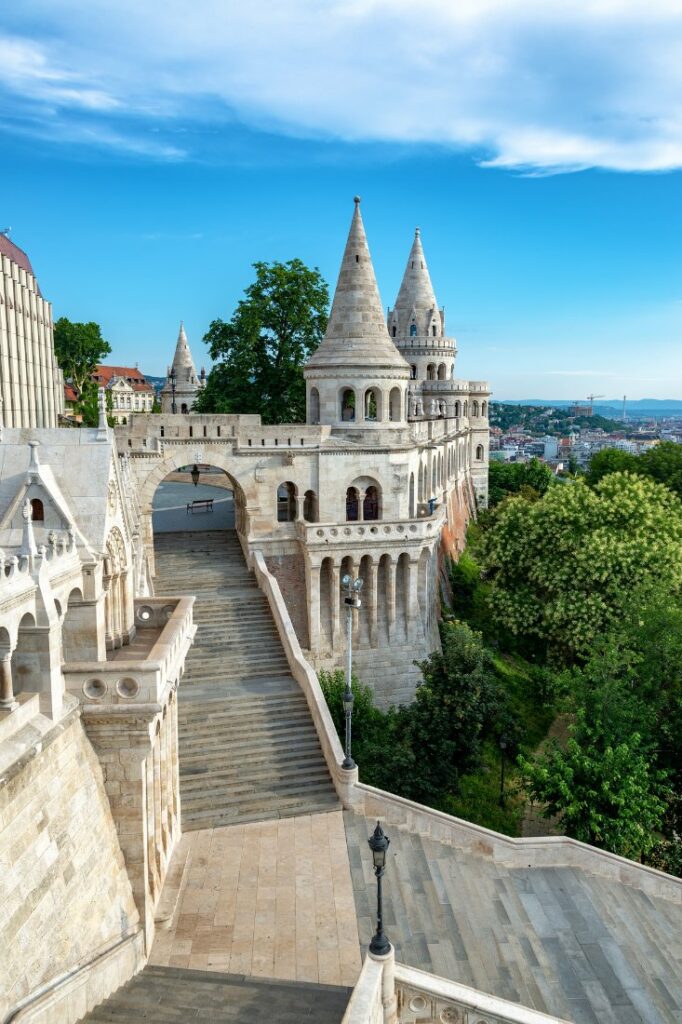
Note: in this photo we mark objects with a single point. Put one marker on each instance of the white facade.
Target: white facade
(31, 383)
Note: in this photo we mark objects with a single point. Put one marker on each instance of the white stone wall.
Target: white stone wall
(65, 891)
(31, 384)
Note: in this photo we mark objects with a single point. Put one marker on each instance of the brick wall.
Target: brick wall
(289, 571)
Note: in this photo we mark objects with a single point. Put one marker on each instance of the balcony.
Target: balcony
(393, 532)
(140, 672)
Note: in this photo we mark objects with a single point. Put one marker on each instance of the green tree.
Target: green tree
(663, 463)
(79, 348)
(562, 569)
(609, 460)
(261, 351)
(505, 478)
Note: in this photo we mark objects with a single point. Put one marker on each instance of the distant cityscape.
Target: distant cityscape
(566, 435)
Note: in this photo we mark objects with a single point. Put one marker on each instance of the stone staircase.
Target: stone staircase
(166, 995)
(248, 747)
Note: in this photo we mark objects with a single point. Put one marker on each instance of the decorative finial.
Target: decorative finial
(416, 231)
(357, 200)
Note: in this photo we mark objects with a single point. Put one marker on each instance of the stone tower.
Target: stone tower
(417, 325)
(183, 384)
(357, 378)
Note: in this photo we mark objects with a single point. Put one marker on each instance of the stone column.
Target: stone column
(372, 611)
(313, 588)
(412, 608)
(361, 505)
(335, 598)
(390, 596)
(7, 701)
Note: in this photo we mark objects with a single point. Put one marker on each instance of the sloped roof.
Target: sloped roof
(416, 291)
(18, 256)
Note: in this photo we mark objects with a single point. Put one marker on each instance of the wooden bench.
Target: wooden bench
(200, 505)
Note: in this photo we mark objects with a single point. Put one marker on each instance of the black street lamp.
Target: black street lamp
(352, 600)
(195, 474)
(503, 746)
(378, 844)
(172, 376)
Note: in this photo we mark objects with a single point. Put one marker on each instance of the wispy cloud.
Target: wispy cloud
(521, 84)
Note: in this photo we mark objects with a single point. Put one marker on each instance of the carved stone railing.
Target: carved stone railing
(143, 680)
(369, 532)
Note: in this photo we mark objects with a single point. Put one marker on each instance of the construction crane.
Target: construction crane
(590, 399)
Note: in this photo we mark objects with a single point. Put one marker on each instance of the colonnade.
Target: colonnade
(397, 599)
(162, 796)
(118, 599)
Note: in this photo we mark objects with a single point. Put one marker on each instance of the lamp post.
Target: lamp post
(378, 844)
(195, 474)
(351, 600)
(503, 746)
(172, 376)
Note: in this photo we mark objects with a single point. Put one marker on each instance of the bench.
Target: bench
(200, 505)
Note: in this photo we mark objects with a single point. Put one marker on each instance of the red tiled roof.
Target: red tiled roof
(70, 393)
(17, 255)
(103, 375)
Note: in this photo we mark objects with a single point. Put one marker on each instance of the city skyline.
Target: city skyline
(144, 176)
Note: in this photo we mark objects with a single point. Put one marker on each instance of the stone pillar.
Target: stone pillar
(335, 598)
(390, 596)
(313, 588)
(372, 610)
(412, 607)
(7, 701)
(361, 505)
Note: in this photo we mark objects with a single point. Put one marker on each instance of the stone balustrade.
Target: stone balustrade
(371, 532)
(21, 564)
(139, 673)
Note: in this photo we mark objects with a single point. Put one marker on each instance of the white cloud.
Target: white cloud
(521, 84)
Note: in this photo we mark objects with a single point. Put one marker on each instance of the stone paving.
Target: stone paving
(583, 948)
(271, 899)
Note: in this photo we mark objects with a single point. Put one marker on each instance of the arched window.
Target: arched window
(458, 409)
(314, 406)
(474, 408)
(413, 372)
(442, 372)
(393, 332)
(412, 510)
(479, 452)
(433, 330)
(466, 408)
(37, 510)
(310, 507)
(371, 405)
(370, 508)
(348, 405)
(352, 505)
(484, 409)
(286, 502)
(394, 405)
(431, 372)
(183, 408)
(413, 330)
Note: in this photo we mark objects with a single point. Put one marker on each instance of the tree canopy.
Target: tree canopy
(261, 350)
(79, 348)
(662, 463)
(562, 569)
(505, 478)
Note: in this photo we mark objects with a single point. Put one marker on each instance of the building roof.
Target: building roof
(18, 256)
(356, 334)
(104, 375)
(70, 393)
(416, 294)
(182, 360)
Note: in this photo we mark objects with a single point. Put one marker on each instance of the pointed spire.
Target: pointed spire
(416, 296)
(183, 364)
(356, 333)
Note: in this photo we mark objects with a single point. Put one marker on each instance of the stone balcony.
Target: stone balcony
(140, 672)
(383, 532)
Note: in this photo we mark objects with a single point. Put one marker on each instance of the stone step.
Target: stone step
(239, 713)
(260, 808)
(224, 752)
(253, 729)
(170, 995)
(259, 793)
(265, 765)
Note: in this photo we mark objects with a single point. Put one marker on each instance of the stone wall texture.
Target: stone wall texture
(65, 893)
(289, 572)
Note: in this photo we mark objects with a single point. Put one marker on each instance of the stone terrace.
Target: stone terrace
(583, 948)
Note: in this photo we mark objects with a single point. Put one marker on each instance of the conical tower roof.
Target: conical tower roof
(356, 334)
(416, 293)
(182, 360)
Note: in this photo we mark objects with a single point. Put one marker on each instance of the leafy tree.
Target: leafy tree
(262, 349)
(504, 478)
(79, 348)
(610, 460)
(562, 569)
(663, 463)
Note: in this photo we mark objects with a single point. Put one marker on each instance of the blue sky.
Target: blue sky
(146, 160)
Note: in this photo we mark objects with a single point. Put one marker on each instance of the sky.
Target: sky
(149, 154)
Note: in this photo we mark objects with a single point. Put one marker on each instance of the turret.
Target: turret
(182, 383)
(357, 378)
(417, 325)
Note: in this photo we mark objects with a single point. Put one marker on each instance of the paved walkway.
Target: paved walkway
(583, 948)
(272, 899)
